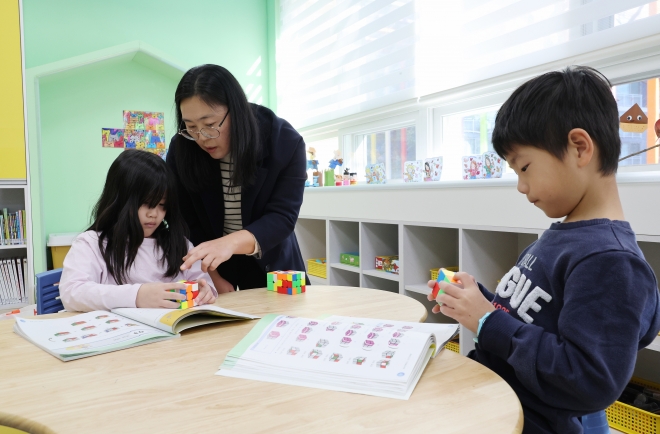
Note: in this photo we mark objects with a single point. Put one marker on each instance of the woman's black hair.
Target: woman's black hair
(542, 111)
(215, 86)
(134, 179)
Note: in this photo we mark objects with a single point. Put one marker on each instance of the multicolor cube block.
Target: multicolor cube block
(286, 282)
(444, 275)
(191, 292)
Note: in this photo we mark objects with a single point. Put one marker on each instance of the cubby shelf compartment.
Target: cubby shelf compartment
(311, 236)
(372, 280)
(343, 237)
(382, 275)
(345, 267)
(340, 277)
(420, 288)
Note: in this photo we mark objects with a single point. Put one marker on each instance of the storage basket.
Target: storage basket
(453, 346)
(318, 269)
(435, 271)
(632, 420)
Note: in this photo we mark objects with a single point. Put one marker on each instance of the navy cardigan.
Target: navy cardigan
(269, 206)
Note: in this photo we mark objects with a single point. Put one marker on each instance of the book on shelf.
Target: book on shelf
(13, 276)
(360, 355)
(12, 228)
(98, 332)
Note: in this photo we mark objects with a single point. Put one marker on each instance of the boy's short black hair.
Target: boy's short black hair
(542, 111)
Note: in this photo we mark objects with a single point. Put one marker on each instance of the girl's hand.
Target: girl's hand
(221, 284)
(157, 294)
(466, 305)
(206, 294)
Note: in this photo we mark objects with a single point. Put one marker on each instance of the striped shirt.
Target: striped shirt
(232, 195)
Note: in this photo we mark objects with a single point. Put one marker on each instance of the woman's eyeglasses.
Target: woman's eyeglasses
(208, 132)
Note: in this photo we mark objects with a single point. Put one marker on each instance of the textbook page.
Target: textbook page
(443, 332)
(86, 334)
(351, 355)
(177, 320)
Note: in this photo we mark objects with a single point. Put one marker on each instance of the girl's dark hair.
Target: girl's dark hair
(542, 111)
(138, 178)
(215, 85)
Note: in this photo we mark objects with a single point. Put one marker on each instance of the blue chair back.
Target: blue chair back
(595, 423)
(48, 292)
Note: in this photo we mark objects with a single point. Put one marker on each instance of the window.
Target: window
(644, 93)
(393, 147)
(465, 134)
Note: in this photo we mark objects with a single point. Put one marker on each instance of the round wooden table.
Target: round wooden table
(170, 386)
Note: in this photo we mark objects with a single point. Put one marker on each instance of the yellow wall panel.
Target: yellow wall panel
(12, 129)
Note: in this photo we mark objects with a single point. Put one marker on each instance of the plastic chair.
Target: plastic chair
(595, 423)
(48, 292)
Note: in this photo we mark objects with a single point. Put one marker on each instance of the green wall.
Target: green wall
(66, 111)
(74, 164)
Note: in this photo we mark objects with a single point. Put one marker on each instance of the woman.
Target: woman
(241, 173)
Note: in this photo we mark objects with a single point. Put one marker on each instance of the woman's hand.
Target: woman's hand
(463, 302)
(206, 294)
(215, 252)
(158, 294)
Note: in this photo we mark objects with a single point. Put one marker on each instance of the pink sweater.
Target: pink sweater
(86, 285)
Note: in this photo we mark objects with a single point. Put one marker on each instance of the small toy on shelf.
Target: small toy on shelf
(634, 120)
(191, 292)
(312, 169)
(337, 160)
(346, 178)
(350, 259)
(329, 178)
(443, 276)
(286, 282)
(389, 264)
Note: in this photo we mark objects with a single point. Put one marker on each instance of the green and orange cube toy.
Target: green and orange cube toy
(286, 282)
(444, 275)
(191, 292)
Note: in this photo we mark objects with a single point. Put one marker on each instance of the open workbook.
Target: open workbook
(99, 332)
(360, 355)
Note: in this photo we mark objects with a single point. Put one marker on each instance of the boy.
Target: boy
(581, 301)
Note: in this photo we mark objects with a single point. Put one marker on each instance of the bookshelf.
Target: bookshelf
(14, 163)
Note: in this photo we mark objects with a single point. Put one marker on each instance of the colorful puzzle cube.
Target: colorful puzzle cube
(286, 282)
(444, 275)
(191, 292)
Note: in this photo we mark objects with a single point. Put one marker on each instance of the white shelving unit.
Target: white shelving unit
(486, 252)
(14, 196)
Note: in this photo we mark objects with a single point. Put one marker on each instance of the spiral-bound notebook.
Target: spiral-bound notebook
(369, 356)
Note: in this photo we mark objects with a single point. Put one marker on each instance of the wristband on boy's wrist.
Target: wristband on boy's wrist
(481, 323)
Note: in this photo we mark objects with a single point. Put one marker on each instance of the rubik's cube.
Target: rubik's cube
(444, 275)
(286, 282)
(191, 292)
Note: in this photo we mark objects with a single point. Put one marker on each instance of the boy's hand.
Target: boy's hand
(466, 305)
(157, 294)
(206, 295)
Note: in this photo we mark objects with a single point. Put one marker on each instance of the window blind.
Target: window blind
(341, 57)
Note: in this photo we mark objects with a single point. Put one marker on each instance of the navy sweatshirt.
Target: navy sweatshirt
(571, 316)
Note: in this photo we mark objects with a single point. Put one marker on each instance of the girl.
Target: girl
(130, 254)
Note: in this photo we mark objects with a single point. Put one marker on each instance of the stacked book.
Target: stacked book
(12, 228)
(13, 277)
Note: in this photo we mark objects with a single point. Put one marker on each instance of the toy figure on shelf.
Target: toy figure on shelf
(312, 169)
(336, 161)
